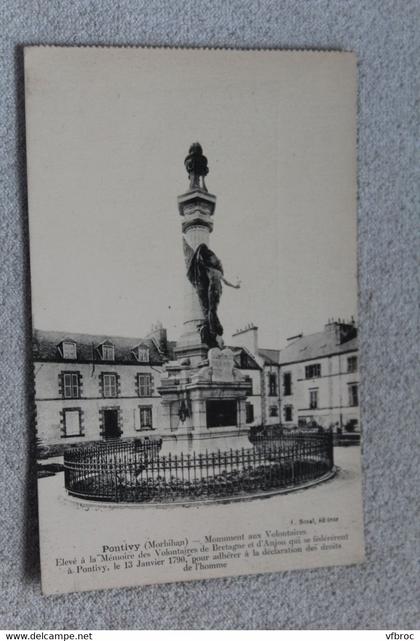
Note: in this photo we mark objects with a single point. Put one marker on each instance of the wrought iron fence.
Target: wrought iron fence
(124, 472)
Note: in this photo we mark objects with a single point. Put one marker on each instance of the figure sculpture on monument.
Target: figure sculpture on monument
(204, 268)
(205, 273)
(196, 166)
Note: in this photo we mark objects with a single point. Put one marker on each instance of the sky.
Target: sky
(107, 134)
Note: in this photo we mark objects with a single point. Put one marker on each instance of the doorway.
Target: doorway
(111, 428)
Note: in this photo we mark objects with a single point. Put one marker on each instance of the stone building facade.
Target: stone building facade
(313, 381)
(320, 379)
(91, 387)
(269, 375)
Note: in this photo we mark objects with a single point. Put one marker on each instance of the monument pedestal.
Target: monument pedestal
(204, 408)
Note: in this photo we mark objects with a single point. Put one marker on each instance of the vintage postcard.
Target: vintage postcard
(194, 297)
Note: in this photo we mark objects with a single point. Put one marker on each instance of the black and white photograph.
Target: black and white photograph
(196, 363)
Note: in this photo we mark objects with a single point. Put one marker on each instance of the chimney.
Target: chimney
(347, 331)
(247, 337)
(341, 330)
(158, 335)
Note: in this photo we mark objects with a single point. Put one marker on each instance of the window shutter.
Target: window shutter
(62, 426)
(82, 423)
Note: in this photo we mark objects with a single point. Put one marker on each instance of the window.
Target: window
(144, 384)
(72, 422)
(352, 364)
(313, 371)
(71, 384)
(146, 417)
(248, 379)
(274, 410)
(249, 410)
(313, 399)
(272, 384)
(109, 385)
(69, 350)
(143, 354)
(353, 395)
(287, 383)
(288, 413)
(108, 352)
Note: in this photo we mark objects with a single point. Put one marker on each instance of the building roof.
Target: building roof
(46, 347)
(243, 358)
(319, 345)
(270, 356)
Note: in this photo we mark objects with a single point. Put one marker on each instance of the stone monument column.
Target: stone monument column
(203, 393)
(196, 207)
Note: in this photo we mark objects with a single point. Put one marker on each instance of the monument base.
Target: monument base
(204, 407)
(190, 442)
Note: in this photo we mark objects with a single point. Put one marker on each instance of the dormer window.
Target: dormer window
(107, 352)
(142, 353)
(69, 350)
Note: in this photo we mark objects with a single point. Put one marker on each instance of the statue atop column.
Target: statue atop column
(204, 268)
(196, 166)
